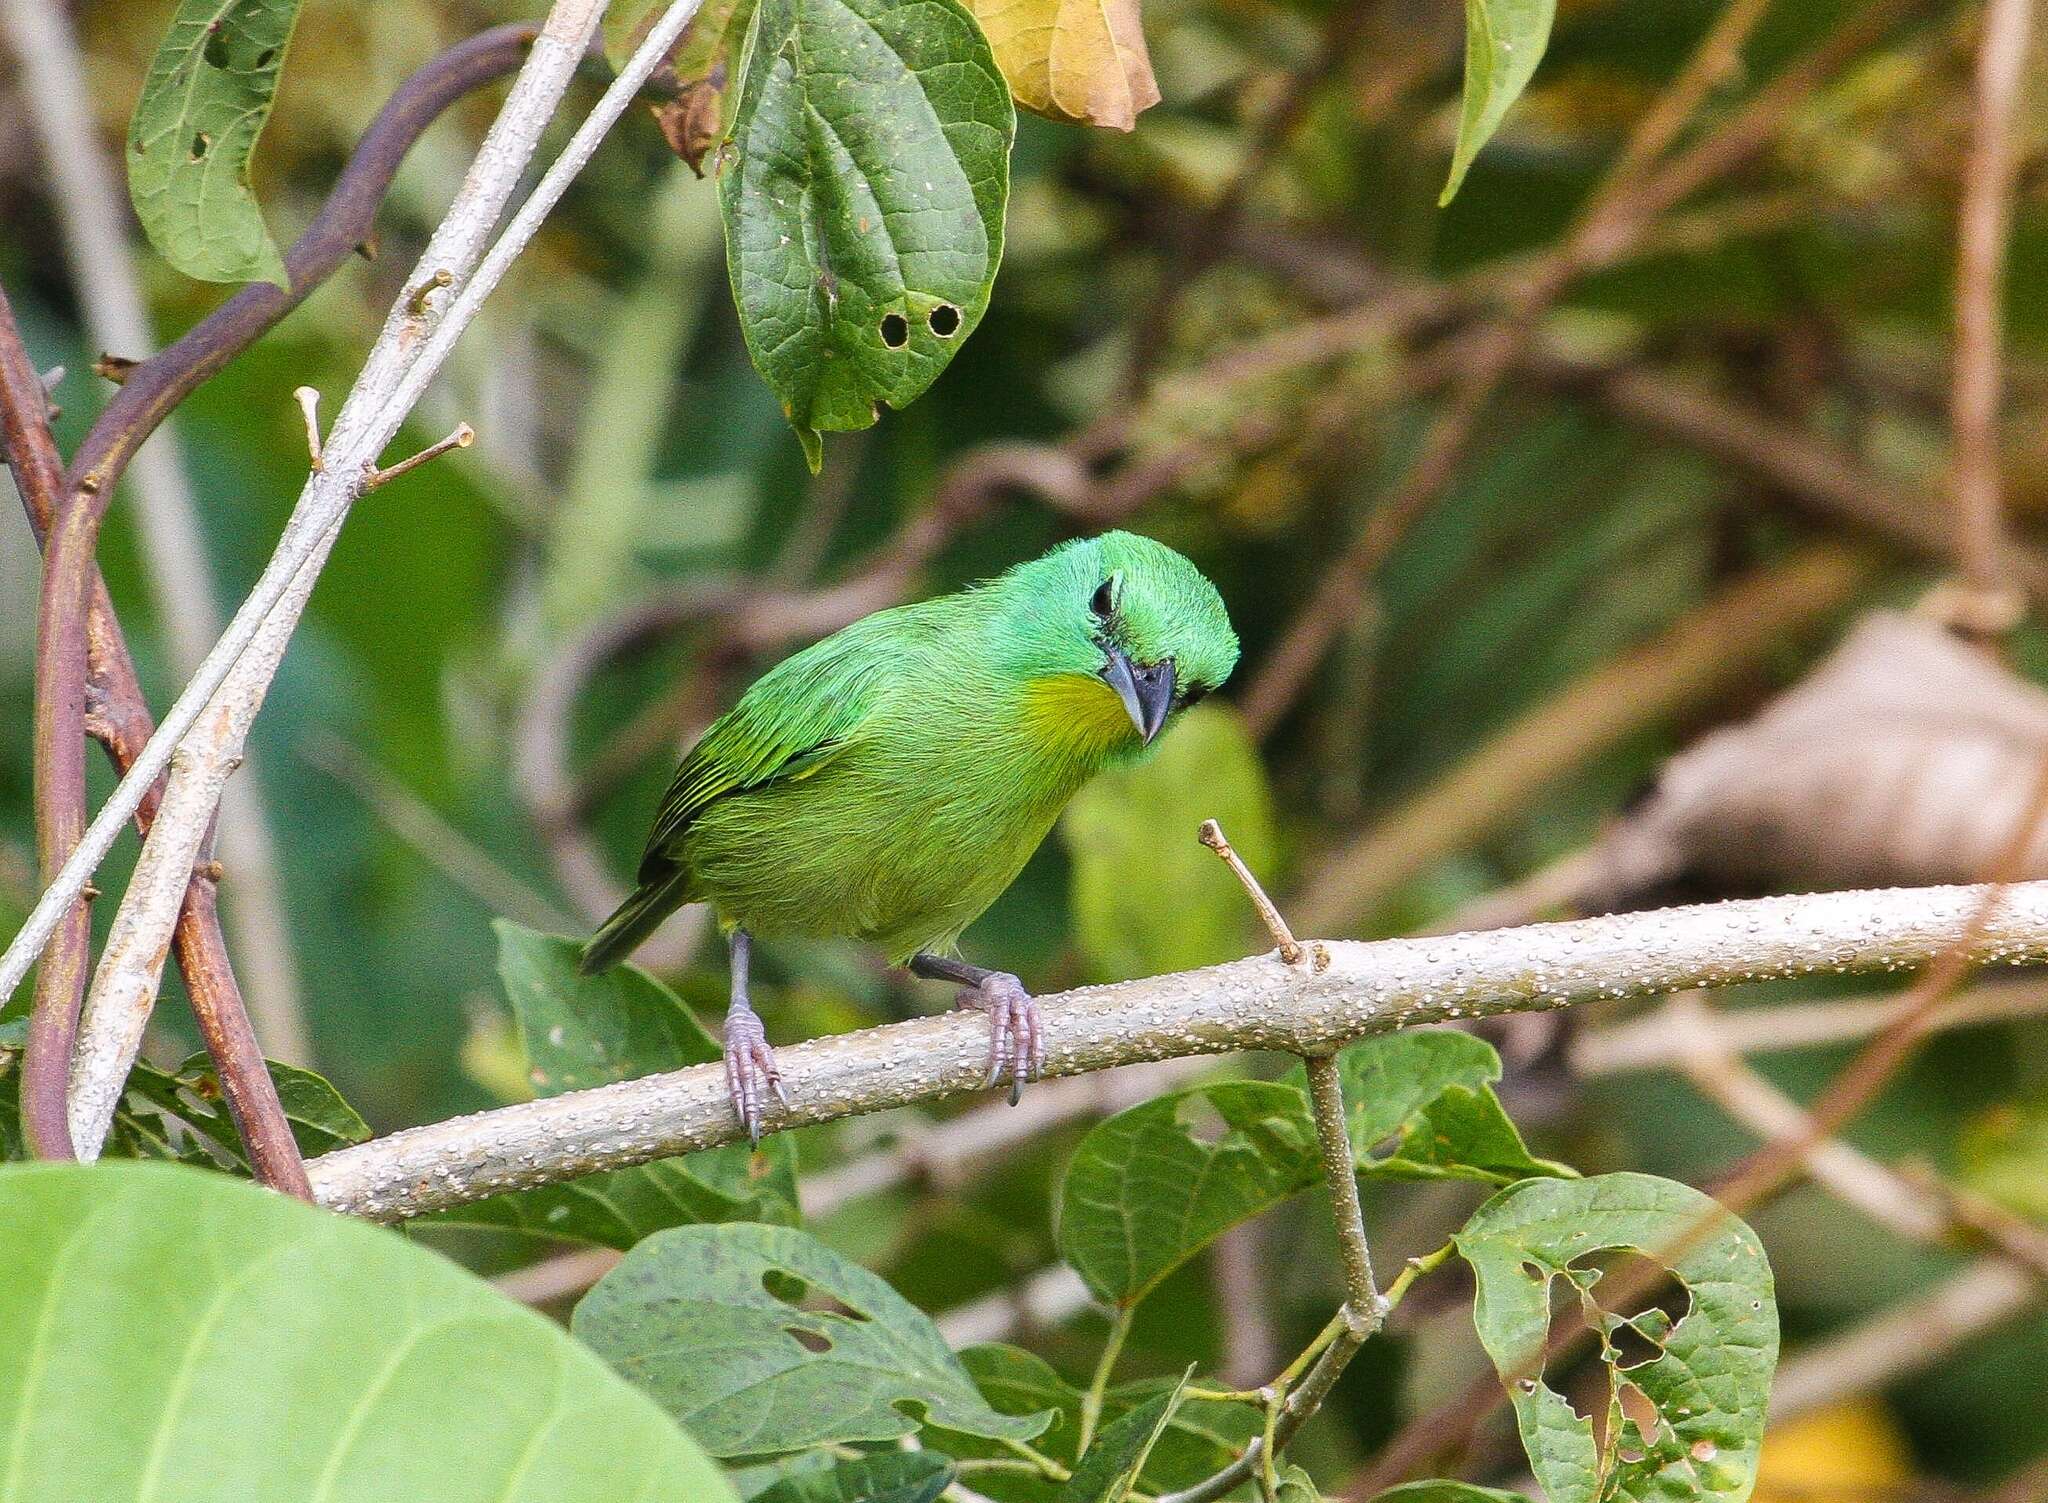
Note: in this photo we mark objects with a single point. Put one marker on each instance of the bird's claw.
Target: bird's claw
(750, 1071)
(1016, 1038)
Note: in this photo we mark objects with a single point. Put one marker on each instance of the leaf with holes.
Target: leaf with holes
(702, 69)
(1110, 1468)
(204, 103)
(1504, 40)
(1431, 1093)
(1150, 1187)
(891, 1477)
(582, 1031)
(863, 201)
(1709, 1384)
(238, 1344)
(707, 1320)
(1082, 62)
(1126, 834)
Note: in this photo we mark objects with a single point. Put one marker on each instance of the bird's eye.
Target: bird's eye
(1104, 601)
(1196, 693)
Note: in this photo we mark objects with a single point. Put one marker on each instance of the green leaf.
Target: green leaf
(1504, 40)
(582, 1031)
(182, 1115)
(1711, 1378)
(1152, 1186)
(892, 1477)
(1431, 1092)
(1296, 1486)
(1147, 896)
(1447, 1492)
(204, 103)
(1201, 1437)
(863, 201)
(706, 1320)
(1110, 1468)
(177, 1334)
(320, 1120)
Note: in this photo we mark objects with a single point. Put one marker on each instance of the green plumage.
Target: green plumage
(889, 782)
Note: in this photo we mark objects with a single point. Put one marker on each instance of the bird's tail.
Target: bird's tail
(636, 918)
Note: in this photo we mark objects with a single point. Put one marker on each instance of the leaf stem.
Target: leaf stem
(1091, 1402)
(1044, 1464)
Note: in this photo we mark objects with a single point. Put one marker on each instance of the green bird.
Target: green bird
(887, 783)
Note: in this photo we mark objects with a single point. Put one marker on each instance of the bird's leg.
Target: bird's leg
(1016, 1040)
(750, 1071)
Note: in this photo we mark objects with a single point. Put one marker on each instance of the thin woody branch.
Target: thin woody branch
(1346, 991)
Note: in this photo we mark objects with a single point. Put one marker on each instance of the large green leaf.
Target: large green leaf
(1710, 1380)
(179, 1335)
(707, 1320)
(891, 1477)
(582, 1031)
(204, 103)
(1110, 1468)
(1504, 40)
(1152, 1186)
(1147, 896)
(1430, 1092)
(863, 201)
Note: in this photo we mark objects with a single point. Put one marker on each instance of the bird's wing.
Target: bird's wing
(793, 721)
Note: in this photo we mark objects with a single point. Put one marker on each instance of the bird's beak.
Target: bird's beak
(1147, 693)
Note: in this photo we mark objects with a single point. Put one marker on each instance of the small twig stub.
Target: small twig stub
(1211, 835)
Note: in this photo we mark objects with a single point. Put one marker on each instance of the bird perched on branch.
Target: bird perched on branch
(889, 782)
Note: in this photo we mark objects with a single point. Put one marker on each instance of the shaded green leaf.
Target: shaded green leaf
(582, 1031)
(1710, 1380)
(236, 1343)
(1430, 1091)
(1504, 40)
(1200, 1438)
(1147, 896)
(1111, 1466)
(205, 101)
(892, 1477)
(689, 1316)
(320, 1120)
(1447, 1492)
(863, 201)
(1296, 1486)
(1152, 1186)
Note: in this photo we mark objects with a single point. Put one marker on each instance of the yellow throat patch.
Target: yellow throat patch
(1079, 714)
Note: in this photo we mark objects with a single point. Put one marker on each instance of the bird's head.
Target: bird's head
(1116, 633)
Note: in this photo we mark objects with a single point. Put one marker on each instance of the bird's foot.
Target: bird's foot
(1016, 1039)
(750, 1072)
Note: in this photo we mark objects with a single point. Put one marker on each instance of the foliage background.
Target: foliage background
(627, 447)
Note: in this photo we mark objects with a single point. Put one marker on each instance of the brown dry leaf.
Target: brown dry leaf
(1078, 60)
(1906, 757)
(693, 123)
(698, 76)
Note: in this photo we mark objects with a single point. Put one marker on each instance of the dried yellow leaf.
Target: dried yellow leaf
(1079, 60)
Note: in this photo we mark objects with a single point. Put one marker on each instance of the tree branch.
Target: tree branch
(416, 340)
(1348, 991)
(1981, 234)
(93, 214)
